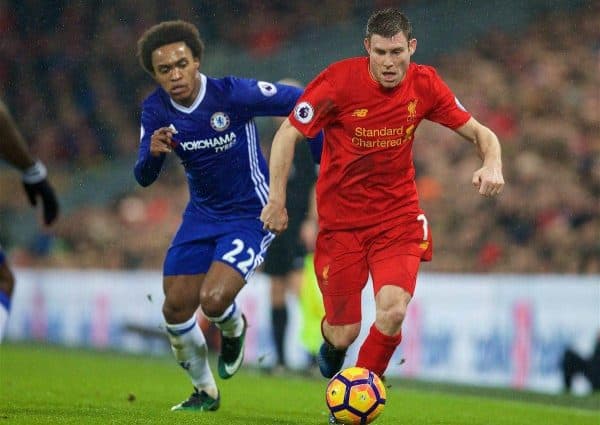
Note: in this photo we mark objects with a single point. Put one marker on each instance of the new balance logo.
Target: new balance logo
(360, 113)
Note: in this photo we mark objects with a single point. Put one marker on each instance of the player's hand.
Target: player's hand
(308, 233)
(489, 180)
(275, 217)
(36, 184)
(162, 141)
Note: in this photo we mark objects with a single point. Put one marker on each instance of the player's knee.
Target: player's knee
(213, 303)
(7, 280)
(396, 315)
(175, 313)
(390, 320)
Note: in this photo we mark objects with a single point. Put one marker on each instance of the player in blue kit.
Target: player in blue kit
(208, 123)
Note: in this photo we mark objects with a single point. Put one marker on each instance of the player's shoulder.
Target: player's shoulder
(423, 72)
(156, 100)
(348, 66)
(343, 73)
(230, 83)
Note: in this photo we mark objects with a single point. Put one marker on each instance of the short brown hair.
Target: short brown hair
(166, 33)
(387, 23)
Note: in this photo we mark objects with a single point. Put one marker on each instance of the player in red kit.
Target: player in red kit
(368, 207)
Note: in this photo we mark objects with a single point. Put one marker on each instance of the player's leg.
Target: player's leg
(237, 254)
(337, 337)
(341, 270)
(7, 283)
(187, 340)
(394, 258)
(217, 300)
(283, 265)
(276, 267)
(385, 334)
(394, 280)
(279, 316)
(181, 284)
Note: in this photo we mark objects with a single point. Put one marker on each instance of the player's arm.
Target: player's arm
(16, 152)
(12, 144)
(154, 145)
(274, 214)
(489, 177)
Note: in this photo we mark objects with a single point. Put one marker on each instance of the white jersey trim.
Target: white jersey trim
(197, 102)
(260, 182)
(260, 257)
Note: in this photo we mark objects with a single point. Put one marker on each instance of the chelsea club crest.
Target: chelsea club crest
(219, 121)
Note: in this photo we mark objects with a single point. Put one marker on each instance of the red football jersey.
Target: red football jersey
(367, 174)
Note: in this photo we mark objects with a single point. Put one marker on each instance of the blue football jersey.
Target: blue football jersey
(217, 141)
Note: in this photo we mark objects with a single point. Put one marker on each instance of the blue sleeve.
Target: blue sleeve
(260, 98)
(147, 167)
(315, 145)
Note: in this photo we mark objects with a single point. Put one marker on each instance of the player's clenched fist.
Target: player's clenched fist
(489, 180)
(162, 141)
(275, 217)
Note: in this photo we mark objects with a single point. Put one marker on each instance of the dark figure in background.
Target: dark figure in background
(14, 150)
(284, 262)
(574, 364)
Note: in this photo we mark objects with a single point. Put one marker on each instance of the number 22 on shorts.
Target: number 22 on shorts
(243, 260)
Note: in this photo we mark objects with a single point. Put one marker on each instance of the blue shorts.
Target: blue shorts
(242, 244)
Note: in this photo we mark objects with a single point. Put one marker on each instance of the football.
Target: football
(355, 396)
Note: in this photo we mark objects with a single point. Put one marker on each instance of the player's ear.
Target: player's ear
(367, 44)
(412, 46)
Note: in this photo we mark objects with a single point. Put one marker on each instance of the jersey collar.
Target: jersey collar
(199, 98)
(375, 84)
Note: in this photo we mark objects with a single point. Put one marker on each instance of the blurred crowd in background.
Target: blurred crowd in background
(76, 92)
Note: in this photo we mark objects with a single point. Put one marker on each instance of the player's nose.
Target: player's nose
(175, 74)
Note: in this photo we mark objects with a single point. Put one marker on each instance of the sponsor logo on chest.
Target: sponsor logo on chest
(219, 144)
(387, 136)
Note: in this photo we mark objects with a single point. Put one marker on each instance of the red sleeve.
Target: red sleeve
(447, 110)
(315, 108)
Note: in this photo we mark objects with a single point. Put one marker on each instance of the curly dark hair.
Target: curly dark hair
(166, 33)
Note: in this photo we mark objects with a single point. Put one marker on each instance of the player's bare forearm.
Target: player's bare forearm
(12, 144)
(280, 162)
(489, 147)
(274, 215)
(488, 179)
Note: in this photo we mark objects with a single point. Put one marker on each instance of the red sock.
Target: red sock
(376, 352)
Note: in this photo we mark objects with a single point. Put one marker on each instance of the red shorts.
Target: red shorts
(344, 259)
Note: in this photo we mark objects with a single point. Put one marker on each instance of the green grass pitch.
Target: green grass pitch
(42, 384)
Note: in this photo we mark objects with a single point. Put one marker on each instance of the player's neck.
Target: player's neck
(190, 101)
(381, 86)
